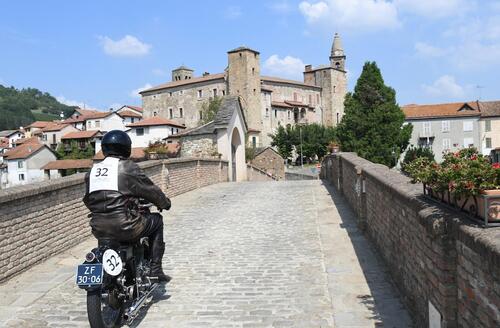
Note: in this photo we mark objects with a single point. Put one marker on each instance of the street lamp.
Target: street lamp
(301, 156)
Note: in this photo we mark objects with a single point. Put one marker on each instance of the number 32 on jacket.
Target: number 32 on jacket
(104, 175)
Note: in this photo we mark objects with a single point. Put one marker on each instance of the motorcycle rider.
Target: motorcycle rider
(113, 189)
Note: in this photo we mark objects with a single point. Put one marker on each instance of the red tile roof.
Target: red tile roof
(129, 113)
(39, 124)
(80, 134)
(137, 108)
(155, 120)
(489, 108)
(97, 115)
(441, 110)
(280, 104)
(22, 141)
(273, 79)
(23, 151)
(296, 103)
(136, 153)
(65, 164)
(87, 111)
(54, 127)
(173, 84)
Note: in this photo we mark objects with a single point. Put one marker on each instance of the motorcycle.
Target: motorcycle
(117, 279)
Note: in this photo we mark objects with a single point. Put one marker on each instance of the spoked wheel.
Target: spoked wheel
(104, 310)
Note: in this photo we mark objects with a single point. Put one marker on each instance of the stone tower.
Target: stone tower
(333, 82)
(243, 79)
(182, 73)
(337, 57)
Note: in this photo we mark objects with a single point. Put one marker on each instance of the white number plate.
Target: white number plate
(112, 262)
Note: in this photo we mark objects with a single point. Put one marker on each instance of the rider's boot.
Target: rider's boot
(157, 254)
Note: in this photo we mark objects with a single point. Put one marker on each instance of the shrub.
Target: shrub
(413, 153)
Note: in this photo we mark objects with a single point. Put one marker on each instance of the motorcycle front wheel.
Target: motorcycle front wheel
(101, 313)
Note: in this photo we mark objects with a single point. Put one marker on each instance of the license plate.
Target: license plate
(89, 274)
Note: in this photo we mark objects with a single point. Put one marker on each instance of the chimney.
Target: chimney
(308, 68)
(206, 73)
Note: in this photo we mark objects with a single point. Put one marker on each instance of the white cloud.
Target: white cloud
(69, 102)
(232, 12)
(128, 46)
(427, 50)
(135, 93)
(351, 14)
(433, 8)
(159, 72)
(447, 87)
(287, 67)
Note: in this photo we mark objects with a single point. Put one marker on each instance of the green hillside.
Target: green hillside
(22, 107)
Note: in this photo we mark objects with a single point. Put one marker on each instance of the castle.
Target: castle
(267, 101)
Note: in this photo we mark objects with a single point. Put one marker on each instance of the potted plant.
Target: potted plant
(465, 180)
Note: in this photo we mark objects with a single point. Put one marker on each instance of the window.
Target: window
(334, 89)
(446, 144)
(181, 114)
(97, 124)
(487, 125)
(215, 93)
(139, 131)
(275, 113)
(253, 70)
(289, 113)
(170, 113)
(267, 112)
(201, 115)
(488, 142)
(170, 94)
(54, 138)
(468, 126)
(172, 130)
(181, 92)
(44, 137)
(155, 113)
(338, 118)
(445, 126)
(223, 92)
(20, 164)
(89, 124)
(21, 177)
(200, 93)
(468, 142)
(254, 91)
(426, 126)
(132, 119)
(254, 142)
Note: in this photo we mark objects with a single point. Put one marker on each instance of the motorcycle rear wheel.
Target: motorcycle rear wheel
(100, 313)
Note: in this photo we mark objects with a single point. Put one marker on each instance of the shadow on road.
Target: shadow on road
(384, 301)
(160, 294)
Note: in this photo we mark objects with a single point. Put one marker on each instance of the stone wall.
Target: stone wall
(256, 174)
(204, 145)
(271, 162)
(435, 255)
(42, 219)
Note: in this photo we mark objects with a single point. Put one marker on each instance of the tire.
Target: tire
(112, 318)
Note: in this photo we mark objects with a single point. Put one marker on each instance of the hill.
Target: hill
(22, 107)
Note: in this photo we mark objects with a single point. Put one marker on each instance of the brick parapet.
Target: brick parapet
(433, 254)
(42, 219)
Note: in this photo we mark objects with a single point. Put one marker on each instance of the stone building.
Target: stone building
(269, 161)
(267, 101)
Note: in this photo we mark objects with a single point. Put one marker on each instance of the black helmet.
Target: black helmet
(116, 143)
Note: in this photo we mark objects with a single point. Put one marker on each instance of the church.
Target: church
(267, 101)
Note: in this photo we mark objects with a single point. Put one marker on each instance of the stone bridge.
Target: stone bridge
(263, 254)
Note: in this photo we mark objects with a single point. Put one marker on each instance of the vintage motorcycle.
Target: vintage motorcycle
(116, 276)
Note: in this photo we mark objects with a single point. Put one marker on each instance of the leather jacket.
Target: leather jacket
(115, 213)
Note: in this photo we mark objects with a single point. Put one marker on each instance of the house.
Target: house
(64, 167)
(35, 127)
(84, 140)
(224, 137)
(489, 126)
(444, 127)
(51, 134)
(104, 121)
(269, 161)
(12, 135)
(129, 116)
(152, 129)
(25, 162)
(134, 109)
(137, 155)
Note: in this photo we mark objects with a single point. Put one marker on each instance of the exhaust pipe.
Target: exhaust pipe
(132, 311)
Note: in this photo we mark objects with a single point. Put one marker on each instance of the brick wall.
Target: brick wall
(42, 219)
(256, 174)
(433, 254)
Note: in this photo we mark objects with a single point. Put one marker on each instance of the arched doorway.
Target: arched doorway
(238, 166)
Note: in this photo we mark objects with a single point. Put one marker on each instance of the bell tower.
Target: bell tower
(337, 56)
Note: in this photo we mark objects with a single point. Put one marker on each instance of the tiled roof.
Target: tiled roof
(23, 151)
(97, 115)
(22, 141)
(54, 127)
(173, 84)
(155, 120)
(6, 133)
(241, 49)
(78, 119)
(273, 79)
(296, 103)
(280, 104)
(441, 110)
(80, 134)
(207, 128)
(489, 108)
(65, 164)
(87, 111)
(129, 113)
(39, 124)
(137, 108)
(136, 153)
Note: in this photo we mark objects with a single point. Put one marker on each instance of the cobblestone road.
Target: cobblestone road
(268, 254)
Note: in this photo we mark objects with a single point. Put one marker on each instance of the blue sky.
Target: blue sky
(100, 52)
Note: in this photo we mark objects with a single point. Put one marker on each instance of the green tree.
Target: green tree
(373, 122)
(283, 139)
(209, 109)
(74, 151)
(413, 153)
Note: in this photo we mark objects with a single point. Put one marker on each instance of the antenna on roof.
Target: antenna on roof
(479, 87)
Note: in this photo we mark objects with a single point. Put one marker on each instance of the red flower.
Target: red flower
(473, 157)
(496, 165)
